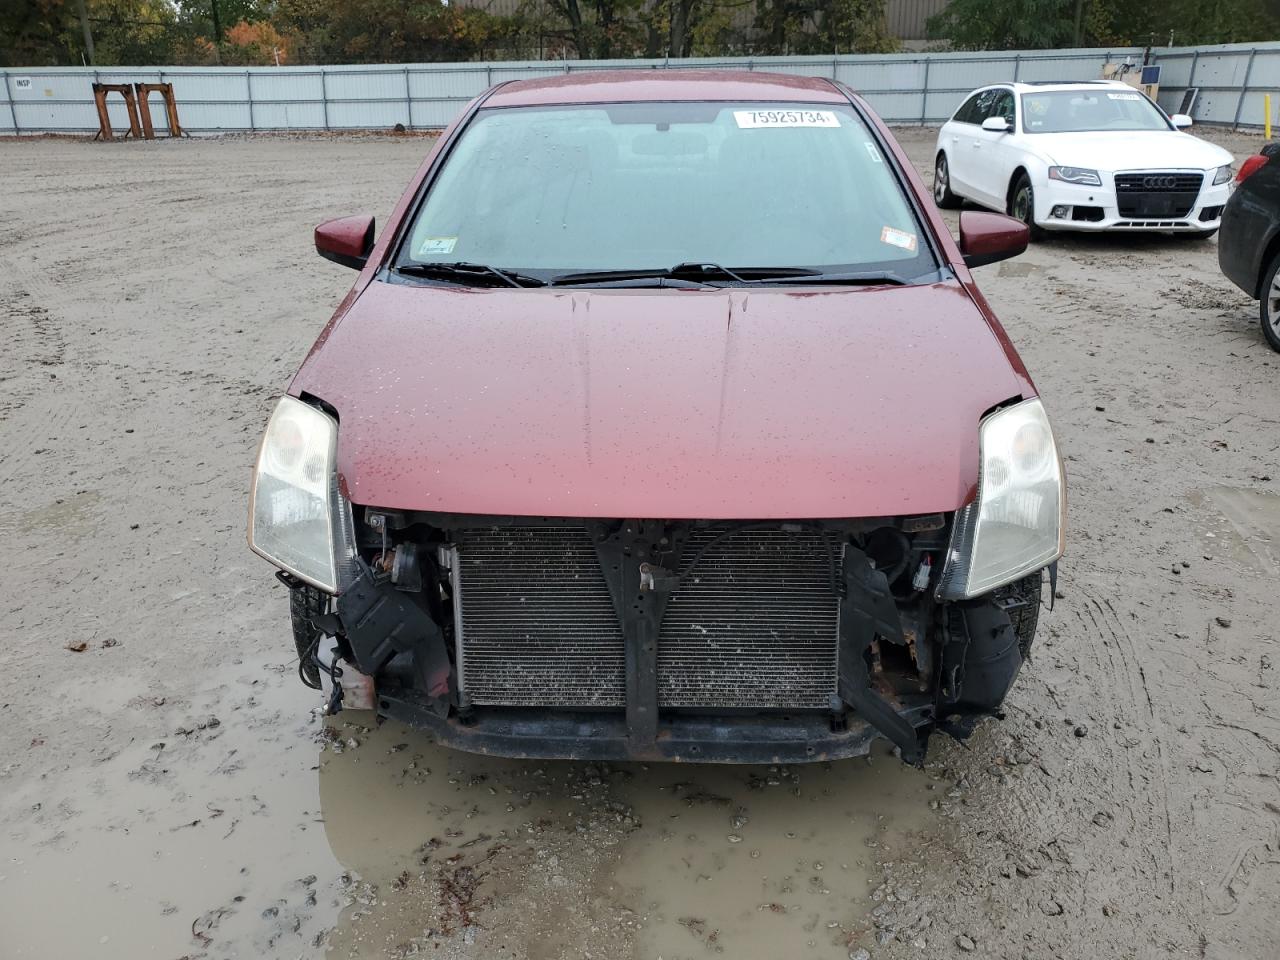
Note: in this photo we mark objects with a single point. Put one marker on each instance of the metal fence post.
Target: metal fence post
(408, 100)
(8, 98)
(924, 93)
(324, 97)
(1244, 89)
(248, 89)
(1195, 60)
(1017, 66)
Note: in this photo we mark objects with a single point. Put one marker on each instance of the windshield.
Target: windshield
(1078, 111)
(646, 186)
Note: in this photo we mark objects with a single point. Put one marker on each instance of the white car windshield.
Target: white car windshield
(549, 191)
(1078, 111)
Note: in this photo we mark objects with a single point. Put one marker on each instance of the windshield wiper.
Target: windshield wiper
(696, 272)
(875, 278)
(469, 272)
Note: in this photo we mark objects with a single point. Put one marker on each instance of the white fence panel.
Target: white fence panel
(904, 88)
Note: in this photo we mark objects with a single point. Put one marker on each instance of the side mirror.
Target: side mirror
(991, 237)
(1181, 121)
(996, 124)
(346, 241)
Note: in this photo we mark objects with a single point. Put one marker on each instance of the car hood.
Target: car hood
(1137, 150)
(725, 404)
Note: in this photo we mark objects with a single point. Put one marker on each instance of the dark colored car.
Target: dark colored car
(664, 421)
(1249, 245)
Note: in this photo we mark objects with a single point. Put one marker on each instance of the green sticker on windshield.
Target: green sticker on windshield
(437, 246)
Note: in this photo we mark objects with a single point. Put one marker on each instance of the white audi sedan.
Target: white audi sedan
(1085, 155)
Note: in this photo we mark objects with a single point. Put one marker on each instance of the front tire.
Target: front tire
(1022, 205)
(1021, 600)
(942, 194)
(304, 604)
(1269, 303)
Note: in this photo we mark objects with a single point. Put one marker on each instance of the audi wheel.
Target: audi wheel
(942, 194)
(1022, 205)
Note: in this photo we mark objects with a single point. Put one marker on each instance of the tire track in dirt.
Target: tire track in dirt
(1140, 693)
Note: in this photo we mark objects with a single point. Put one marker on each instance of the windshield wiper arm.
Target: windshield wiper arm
(696, 271)
(470, 271)
(877, 278)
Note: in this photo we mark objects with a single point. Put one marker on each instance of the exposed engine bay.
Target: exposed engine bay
(756, 641)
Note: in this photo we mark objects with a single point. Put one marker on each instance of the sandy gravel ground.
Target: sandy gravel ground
(167, 790)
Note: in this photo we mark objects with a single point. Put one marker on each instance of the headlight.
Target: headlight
(297, 518)
(1079, 175)
(1015, 526)
(1222, 174)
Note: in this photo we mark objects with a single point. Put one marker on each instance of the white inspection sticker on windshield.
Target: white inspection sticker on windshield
(755, 119)
(898, 238)
(1123, 96)
(437, 245)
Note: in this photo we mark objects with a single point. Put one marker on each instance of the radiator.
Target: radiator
(753, 622)
(536, 623)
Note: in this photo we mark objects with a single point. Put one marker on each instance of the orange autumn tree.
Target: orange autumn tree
(254, 44)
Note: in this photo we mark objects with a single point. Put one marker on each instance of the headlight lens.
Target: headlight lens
(297, 518)
(1222, 174)
(1015, 526)
(1079, 175)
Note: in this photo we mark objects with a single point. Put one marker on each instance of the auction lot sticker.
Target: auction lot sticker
(755, 119)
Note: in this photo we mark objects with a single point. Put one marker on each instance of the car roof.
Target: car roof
(1024, 86)
(623, 86)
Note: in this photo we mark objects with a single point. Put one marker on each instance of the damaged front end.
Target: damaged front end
(680, 640)
(706, 640)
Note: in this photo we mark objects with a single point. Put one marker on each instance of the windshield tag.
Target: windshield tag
(898, 238)
(875, 154)
(437, 245)
(1123, 96)
(757, 119)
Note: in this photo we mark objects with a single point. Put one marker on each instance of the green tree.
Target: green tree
(51, 32)
(599, 29)
(1005, 24)
(1042, 24)
(386, 31)
(38, 33)
(822, 26)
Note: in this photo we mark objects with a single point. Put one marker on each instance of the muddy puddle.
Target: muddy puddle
(252, 828)
(636, 860)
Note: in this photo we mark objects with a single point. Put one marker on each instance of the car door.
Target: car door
(995, 151)
(964, 149)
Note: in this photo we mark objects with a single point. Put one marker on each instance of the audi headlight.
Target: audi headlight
(1222, 174)
(1015, 526)
(297, 518)
(1079, 175)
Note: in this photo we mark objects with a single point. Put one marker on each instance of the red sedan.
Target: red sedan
(664, 420)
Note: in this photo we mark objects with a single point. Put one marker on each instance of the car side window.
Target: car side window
(1003, 107)
(986, 100)
(968, 112)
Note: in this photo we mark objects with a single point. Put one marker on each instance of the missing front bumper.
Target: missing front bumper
(543, 735)
(891, 660)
